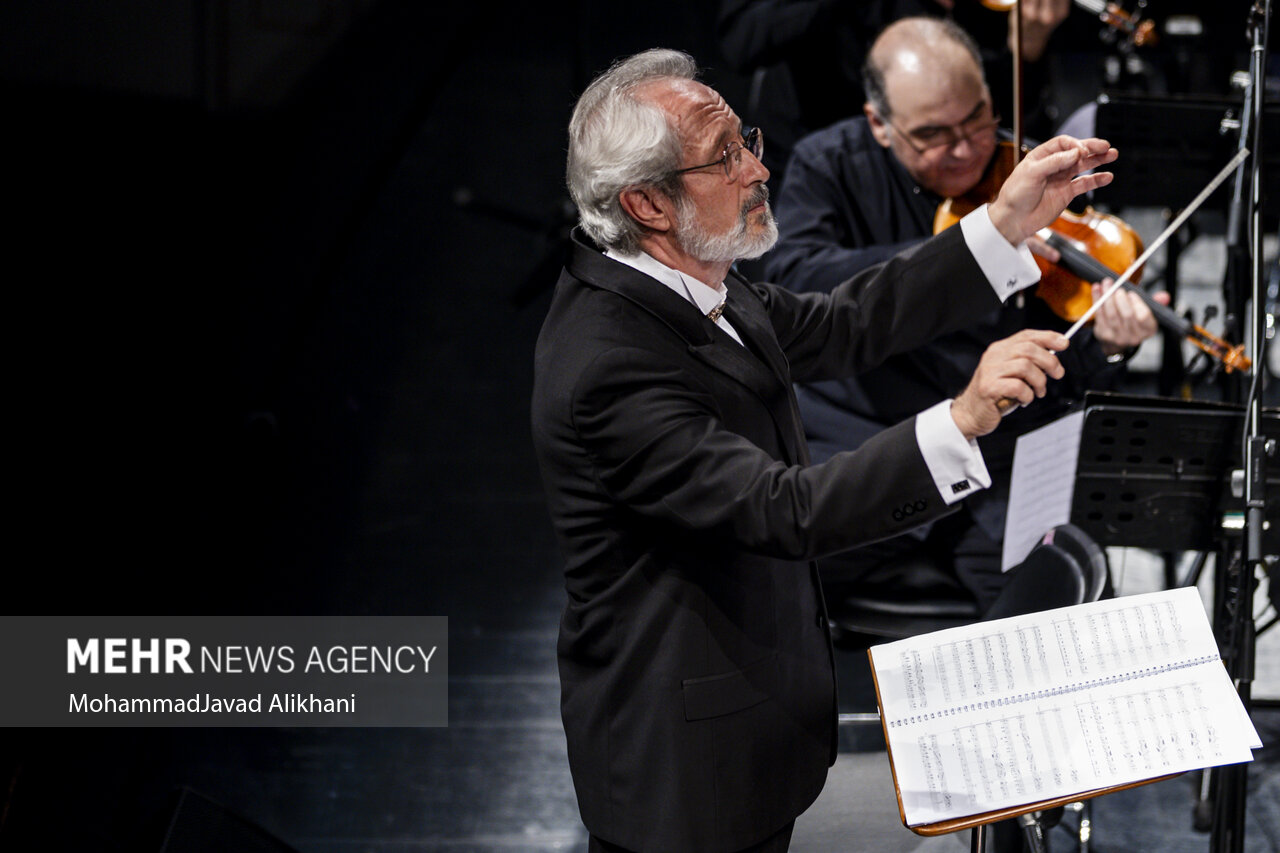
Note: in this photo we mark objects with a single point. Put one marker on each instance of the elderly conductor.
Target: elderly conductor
(697, 685)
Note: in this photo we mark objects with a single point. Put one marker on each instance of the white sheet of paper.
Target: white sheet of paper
(1040, 491)
(1028, 708)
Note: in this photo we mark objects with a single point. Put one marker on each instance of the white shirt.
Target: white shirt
(705, 296)
(954, 462)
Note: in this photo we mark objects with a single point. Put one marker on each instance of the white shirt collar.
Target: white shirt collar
(702, 295)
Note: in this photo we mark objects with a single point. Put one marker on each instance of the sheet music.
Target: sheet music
(1028, 708)
(1041, 486)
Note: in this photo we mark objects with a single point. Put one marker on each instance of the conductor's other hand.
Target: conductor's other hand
(1017, 369)
(1047, 179)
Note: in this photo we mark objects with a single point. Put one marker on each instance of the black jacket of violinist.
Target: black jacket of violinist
(846, 204)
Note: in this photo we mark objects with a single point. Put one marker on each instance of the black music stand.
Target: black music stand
(1156, 473)
(1170, 146)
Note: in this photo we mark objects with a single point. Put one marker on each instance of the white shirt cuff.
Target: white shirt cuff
(1008, 268)
(954, 462)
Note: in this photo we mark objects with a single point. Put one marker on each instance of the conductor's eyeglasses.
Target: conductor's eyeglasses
(752, 140)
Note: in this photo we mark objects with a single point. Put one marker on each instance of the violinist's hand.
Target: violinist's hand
(1038, 246)
(1040, 187)
(1016, 368)
(1124, 320)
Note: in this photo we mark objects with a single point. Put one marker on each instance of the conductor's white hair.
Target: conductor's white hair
(617, 140)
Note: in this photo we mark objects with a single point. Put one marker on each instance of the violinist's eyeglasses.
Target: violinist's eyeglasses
(935, 138)
(752, 140)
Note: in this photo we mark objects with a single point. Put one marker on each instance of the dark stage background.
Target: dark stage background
(275, 271)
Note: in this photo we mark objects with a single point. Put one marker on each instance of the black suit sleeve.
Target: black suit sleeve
(667, 449)
(933, 288)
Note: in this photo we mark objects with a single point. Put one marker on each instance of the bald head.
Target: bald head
(928, 103)
(916, 53)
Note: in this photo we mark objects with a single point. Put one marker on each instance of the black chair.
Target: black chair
(916, 597)
(1067, 567)
(899, 600)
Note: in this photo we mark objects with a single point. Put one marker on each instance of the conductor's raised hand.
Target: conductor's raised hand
(1047, 179)
(1016, 369)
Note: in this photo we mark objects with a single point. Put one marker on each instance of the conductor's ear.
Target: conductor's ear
(648, 206)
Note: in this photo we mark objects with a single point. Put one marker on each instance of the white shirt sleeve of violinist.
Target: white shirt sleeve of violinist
(1009, 268)
(954, 462)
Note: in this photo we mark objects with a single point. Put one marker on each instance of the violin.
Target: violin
(1091, 246)
(1095, 243)
(1090, 257)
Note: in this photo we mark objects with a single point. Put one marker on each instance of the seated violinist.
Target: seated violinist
(863, 190)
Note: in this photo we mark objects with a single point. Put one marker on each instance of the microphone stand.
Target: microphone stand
(1237, 591)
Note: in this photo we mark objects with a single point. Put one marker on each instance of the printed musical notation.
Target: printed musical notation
(1024, 709)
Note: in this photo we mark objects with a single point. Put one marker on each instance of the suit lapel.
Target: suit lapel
(751, 321)
(738, 362)
(747, 315)
(760, 365)
(705, 340)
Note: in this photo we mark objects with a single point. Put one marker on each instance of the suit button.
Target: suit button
(821, 621)
(909, 509)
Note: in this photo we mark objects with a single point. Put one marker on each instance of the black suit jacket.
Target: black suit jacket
(698, 692)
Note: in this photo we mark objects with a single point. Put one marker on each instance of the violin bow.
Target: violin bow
(1015, 22)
